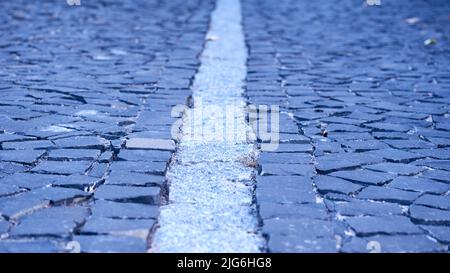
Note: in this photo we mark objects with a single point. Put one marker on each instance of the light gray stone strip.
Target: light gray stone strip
(211, 189)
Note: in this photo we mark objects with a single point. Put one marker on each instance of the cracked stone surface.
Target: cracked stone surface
(369, 102)
(79, 85)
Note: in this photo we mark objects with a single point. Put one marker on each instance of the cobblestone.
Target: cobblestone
(373, 102)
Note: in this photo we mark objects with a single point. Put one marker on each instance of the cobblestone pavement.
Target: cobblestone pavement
(76, 83)
(85, 124)
(364, 163)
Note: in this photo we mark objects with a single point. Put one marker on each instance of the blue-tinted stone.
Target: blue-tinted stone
(371, 225)
(327, 184)
(364, 176)
(388, 194)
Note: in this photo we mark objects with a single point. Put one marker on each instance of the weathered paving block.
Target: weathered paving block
(269, 210)
(372, 225)
(109, 209)
(135, 179)
(73, 154)
(110, 243)
(335, 162)
(81, 142)
(151, 144)
(62, 167)
(144, 155)
(364, 207)
(10, 168)
(128, 194)
(363, 176)
(426, 215)
(4, 226)
(395, 168)
(158, 168)
(284, 189)
(21, 156)
(441, 233)
(101, 225)
(327, 184)
(28, 145)
(435, 201)
(388, 194)
(30, 246)
(299, 235)
(17, 205)
(9, 189)
(285, 158)
(437, 175)
(294, 148)
(287, 169)
(56, 221)
(419, 184)
(388, 244)
(396, 155)
(77, 181)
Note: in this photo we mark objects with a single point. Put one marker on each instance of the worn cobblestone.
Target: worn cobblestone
(372, 100)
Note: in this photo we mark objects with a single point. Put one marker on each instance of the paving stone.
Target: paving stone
(419, 184)
(372, 225)
(29, 246)
(298, 235)
(151, 144)
(335, 162)
(110, 244)
(108, 209)
(77, 181)
(435, 201)
(284, 189)
(81, 142)
(10, 168)
(363, 176)
(437, 175)
(62, 167)
(4, 226)
(28, 145)
(367, 208)
(136, 179)
(287, 169)
(8, 189)
(145, 155)
(285, 158)
(127, 194)
(13, 206)
(100, 225)
(393, 244)
(73, 154)
(269, 210)
(294, 148)
(441, 233)
(21, 156)
(395, 168)
(56, 221)
(300, 244)
(388, 194)
(396, 155)
(157, 168)
(426, 215)
(327, 184)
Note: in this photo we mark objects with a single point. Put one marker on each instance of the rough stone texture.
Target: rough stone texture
(73, 92)
(358, 85)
